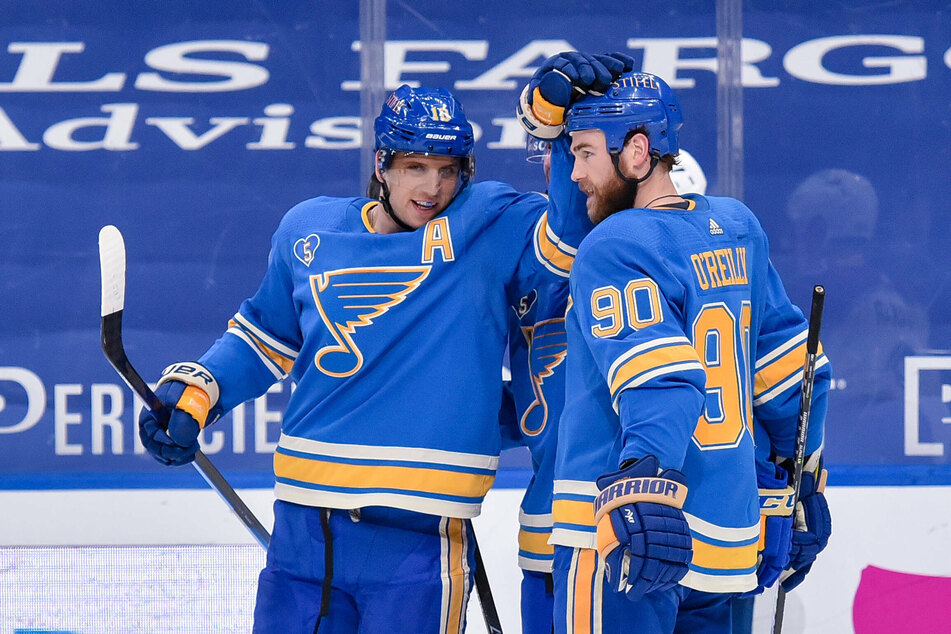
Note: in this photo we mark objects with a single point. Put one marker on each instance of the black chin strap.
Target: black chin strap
(616, 158)
(385, 201)
(634, 182)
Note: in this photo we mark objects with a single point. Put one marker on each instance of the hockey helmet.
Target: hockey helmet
(687, 175)
(424, 121)
(635, 99)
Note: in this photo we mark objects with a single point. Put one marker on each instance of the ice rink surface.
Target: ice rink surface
(87, 562)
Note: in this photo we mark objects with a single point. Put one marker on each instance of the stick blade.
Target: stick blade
(112, 269)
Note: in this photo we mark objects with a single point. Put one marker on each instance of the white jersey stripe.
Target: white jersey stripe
(266, 360)
(781, 350)
(266, 338)
(406, 454)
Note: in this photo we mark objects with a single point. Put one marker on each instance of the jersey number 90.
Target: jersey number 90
(722, 344)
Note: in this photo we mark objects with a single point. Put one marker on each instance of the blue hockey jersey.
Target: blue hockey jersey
(679, 333)
(538, 346)
(394, 343)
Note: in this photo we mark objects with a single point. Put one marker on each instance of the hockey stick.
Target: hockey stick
(489, 613)
(112, 265)
(802, 429)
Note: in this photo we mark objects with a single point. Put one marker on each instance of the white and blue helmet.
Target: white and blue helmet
(687, 175)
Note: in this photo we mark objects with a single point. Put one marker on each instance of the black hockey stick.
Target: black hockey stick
(112, 265)
(489, 613)
(802, 429)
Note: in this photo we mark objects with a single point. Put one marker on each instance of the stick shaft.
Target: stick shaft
(112, 261)
(802, 428)
(491, 615)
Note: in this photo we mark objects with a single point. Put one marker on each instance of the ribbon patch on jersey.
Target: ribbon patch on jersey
(525, 304)
(305, 247)
(348, 299)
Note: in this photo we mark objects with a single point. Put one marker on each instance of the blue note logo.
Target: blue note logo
(305, 247)
(348, 299)
(548, 345)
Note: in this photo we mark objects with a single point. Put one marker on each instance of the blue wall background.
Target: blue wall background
(847, 138)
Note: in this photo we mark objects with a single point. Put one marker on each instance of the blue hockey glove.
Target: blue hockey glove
(617, 64)
(189, 393)
(813, 526)
(776, 522)
(643, 536)
(560, 80)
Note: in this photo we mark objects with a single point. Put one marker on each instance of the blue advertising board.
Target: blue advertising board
(194, 127)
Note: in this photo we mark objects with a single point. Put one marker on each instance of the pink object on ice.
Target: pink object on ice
(890, 602)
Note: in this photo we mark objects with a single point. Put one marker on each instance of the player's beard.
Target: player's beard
(611, 197)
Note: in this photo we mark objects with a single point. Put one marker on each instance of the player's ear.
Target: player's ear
(633, 154)
(639, 148)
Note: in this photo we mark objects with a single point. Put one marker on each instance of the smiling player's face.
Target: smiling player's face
(421, 187)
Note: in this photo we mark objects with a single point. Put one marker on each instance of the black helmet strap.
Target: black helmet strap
(385, 201)
(616, 159)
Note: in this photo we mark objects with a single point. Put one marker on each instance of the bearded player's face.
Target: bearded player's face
(596, 177)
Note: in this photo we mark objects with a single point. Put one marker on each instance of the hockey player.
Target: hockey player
(389, 314)
(679, 334)
(536, 394)
(538, 346)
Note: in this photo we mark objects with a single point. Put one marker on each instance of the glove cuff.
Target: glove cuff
(632, 490)
(532, 124)
(776, 501)
(202, 392)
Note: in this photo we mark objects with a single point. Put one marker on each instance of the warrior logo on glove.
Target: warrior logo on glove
(659, 490)
(642, 533)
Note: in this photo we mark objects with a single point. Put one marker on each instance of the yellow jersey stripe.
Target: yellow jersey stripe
(782, 367)
(549, 251)
(651, 359)
(711, 556)
(536, 543)
(268, 362)
(404, 478)
(365, 216)
(271, 342)
(281, 361)
(573, 512)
